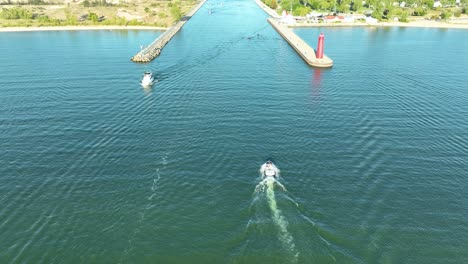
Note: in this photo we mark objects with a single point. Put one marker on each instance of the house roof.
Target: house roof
(334, 17)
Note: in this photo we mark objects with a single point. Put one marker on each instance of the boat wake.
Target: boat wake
(268, 182)
(149, 205)
(267, 187)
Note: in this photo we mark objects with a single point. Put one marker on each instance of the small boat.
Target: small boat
(147, 79)
(269, 169)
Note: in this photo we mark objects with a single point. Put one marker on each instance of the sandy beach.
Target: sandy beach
(424, 24)
(73, 28)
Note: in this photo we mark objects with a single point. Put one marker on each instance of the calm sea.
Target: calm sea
(373, 153)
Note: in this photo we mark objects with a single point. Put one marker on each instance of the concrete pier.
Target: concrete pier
(302, 48)
(267, 9)
(154, 49)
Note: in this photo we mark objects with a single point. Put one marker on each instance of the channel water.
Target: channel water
(373, 152)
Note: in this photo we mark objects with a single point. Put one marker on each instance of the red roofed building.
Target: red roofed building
(331, 19)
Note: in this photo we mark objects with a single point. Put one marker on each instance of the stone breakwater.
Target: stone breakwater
(153, 50)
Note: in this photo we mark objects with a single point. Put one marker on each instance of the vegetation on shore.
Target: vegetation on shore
(382, 10)
(160, 13)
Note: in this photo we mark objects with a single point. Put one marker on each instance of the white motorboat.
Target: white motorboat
(269, 169)
(270, 177)
(147, 79)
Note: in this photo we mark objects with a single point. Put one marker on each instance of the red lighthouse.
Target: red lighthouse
(321, 39)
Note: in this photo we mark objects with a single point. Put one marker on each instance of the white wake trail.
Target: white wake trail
(268, 186)
(146, 208)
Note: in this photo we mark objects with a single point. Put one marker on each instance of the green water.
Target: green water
(372, 153)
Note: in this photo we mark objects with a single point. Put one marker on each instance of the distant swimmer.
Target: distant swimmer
(257, 36)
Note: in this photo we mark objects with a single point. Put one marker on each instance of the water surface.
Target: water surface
(372, 153)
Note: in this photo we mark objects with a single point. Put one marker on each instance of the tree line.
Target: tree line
(381, 10)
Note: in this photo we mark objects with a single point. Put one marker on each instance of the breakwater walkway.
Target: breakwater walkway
(154, 49)
(298, 44)
(302, 48)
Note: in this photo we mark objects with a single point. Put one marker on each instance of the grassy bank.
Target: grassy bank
(88, 13)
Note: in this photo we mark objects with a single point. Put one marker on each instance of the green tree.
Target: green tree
(409, 3)
(356, 6)
(428, 3)
(175, 12)
(273, 4)
(134, 22)
(314, 4)
(404, 17)
(301, 11)
(288, 4)
(419, 11)
(93, 17)
(43, 19)
(372, 3)
(343, 6)
(320, 4)
(378, 11)
(446, 14)
(16, 13)
(325, 5)
(70, 18)
(448, 2)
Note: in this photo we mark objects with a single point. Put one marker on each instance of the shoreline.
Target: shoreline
(76, 28)
(267, 9)
(413, 24)
(417, 24)
(154, 49)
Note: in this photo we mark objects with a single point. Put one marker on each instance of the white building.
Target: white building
(287, 19)
(371, 20)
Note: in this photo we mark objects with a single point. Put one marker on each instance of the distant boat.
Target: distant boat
(147, 79)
